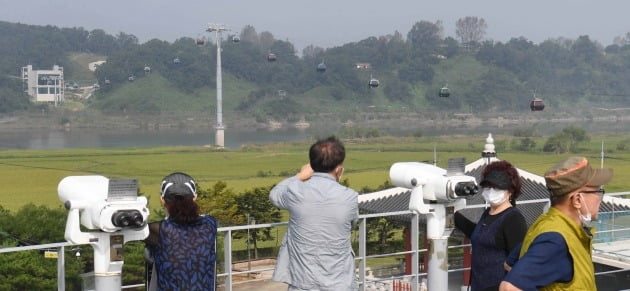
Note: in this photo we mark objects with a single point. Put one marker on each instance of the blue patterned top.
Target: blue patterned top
(185, 255)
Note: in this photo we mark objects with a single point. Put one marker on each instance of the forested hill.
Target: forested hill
(482, 75)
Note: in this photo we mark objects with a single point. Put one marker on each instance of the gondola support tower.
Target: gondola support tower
(219, 140)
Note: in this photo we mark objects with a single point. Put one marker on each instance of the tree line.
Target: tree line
(483, 75)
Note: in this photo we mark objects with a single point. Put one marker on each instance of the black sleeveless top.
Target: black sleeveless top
(489, 246)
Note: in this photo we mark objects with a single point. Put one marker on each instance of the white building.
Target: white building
(44, 85)
(94, 65)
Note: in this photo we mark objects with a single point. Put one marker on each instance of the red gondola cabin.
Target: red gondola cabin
(537, 105)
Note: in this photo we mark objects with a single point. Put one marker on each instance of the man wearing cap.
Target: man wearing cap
(556, 251)
(316, 251)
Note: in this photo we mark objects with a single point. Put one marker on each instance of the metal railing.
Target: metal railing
(364, 280)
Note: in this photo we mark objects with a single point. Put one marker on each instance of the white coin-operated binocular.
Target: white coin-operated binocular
(436, 193)
(433, 184)
(113, 213)
(435, 190)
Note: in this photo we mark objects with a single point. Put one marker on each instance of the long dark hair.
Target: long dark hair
(179, 191)
(182, 209)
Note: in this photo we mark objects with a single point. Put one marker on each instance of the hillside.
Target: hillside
(483, 77)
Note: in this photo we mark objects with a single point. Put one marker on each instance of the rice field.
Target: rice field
(32, 176)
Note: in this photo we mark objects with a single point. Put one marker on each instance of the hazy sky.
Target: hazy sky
(328, 23)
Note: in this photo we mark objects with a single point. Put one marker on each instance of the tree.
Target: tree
(126, 41)
(255, 204)
(622, 40)
(586, 50)
(396, 90)
(425, 37)
(98, 41)
(266, 40)
(576, 134)
(311, 51)
(566, 141)
(12, 97)
(220, 202)
(249, 34)
(383, 229)
(397, 48)
(523, 144)
(471, 29)
(29, 270)
(451, 47)
(558, 143)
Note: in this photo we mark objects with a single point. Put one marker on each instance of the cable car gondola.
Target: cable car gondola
(200, 41)
(147, 69)
(373, 82)
(176, 61)
(236, 39)
(271, 57)
(321, 67)
(537, 104)
(131, 78)
(444, 92)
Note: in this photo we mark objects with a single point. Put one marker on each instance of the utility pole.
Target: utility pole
(219, 136)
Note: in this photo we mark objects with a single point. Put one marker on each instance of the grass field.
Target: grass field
(32, 176)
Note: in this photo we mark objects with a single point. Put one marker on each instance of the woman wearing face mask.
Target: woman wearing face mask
(501, 226)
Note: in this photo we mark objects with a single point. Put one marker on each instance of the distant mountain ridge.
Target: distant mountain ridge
(482, 76)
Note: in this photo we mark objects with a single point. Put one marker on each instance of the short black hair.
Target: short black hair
(326, 154)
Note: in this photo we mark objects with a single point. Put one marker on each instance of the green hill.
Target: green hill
(77, 66)
(483, 77)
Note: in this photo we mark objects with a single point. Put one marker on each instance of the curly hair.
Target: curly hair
(502, 170)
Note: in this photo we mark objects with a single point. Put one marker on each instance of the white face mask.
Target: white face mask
(585, 219)
(494, 196)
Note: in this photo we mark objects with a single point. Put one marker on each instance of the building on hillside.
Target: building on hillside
(363, 66)
(611, 243)
(94, 65)
(44, 85)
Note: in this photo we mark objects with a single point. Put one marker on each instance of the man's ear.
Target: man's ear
(577, 200)
(162, 200)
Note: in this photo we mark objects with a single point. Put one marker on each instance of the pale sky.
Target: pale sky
(328, 23)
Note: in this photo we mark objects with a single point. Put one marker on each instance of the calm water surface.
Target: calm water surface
(234, 138)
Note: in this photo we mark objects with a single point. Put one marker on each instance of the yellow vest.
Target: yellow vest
(579, 243)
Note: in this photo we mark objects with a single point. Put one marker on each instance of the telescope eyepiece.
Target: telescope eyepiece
(127, 218)
(466, 189)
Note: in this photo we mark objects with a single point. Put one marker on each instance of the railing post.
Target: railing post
(227, 264)
(415, 256)
(61, 271)
(362, 252)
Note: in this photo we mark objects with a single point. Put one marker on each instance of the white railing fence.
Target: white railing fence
(365, 273)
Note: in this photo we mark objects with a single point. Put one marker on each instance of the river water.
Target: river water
(64, 139)
(234, 138)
